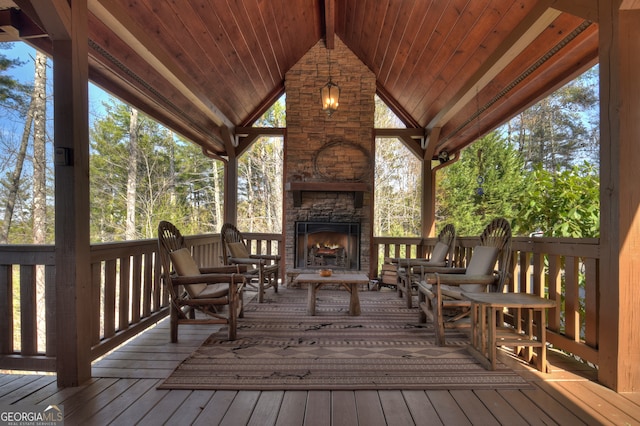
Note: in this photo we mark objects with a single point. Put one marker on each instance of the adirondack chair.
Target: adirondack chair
(399, 272)
(440, 289)
(195, 290)
(263, 269)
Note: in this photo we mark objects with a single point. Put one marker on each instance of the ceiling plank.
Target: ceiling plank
(118, 20)
(521, 37)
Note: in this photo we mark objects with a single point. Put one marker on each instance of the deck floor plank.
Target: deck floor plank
(292, 409)
(74, 398)
(32, 387)
(318, 411)
(190, 409)
(500, 408)
(142, 406)
(598, 403)
(240, 410)
(558, 407)
(396, 411)
(420, 407)
(267, 408)
(447, 408)
(19, 382)
(165, 408)
(215, 410)
(81, 414)
(526, 408)
(369, 408)
(473, 407)
(343, 408)
(121, 402)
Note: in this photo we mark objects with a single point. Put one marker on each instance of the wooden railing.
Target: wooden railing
(562, 269)
(128, 296)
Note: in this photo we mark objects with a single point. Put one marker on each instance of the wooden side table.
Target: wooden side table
(486, 335)
(349, 281)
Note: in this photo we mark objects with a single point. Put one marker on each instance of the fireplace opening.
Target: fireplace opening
(324, 244)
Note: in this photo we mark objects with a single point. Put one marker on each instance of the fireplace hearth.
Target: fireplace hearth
(333, 245)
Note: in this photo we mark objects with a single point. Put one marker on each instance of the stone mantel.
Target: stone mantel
(358, 189)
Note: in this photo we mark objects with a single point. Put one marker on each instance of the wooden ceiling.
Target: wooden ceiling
(456, 68)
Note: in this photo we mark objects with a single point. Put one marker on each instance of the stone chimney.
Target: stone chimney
(336, 150)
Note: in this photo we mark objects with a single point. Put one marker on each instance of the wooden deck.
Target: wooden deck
(123, 392)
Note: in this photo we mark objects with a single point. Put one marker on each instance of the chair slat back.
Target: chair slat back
(498, 234)
(230, 234)
(448, 236)
(169, 240)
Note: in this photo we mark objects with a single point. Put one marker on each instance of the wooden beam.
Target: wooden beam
(118, 20)
(411, 138)
(264, 105)
(247, 135)
(330, 23)
(530, 28)
(428, 210)
(586, 9)
(395, 106)
(55, 16)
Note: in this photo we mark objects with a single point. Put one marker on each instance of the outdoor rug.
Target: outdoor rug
(280, 347)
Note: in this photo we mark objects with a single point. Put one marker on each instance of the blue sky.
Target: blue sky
(24, 73)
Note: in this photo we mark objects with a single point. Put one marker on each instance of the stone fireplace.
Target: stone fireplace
(329, 163)
(332, 245)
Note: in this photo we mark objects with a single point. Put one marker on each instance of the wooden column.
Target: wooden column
(67, 27)
(619, 349)
(428, 211)
(230, 177)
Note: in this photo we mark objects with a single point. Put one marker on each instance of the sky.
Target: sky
(24, 73)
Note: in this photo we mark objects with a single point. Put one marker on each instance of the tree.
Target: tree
(13, 96)
(561, 204)
(260, 177)
(558, 132)
(397, 181)
(484, 184)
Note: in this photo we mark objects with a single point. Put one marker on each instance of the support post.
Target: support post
(71, 144)
(619, 344)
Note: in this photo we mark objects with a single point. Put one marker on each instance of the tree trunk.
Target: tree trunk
(39, 103)
(132, 176)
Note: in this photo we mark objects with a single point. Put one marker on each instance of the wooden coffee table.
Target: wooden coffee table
(349, 281)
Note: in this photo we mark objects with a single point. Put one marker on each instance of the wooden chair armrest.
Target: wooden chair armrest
(207, 279)
(229, 269)
(413, 263)
(438, 269)
(266, 256)
(243, 260)
(459, 279)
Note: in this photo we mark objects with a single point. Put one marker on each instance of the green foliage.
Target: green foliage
(484, 184)
(561, 204)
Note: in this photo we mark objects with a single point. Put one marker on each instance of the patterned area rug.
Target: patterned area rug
(280, 347)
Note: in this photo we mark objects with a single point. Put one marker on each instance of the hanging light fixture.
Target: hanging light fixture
(330, 93)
